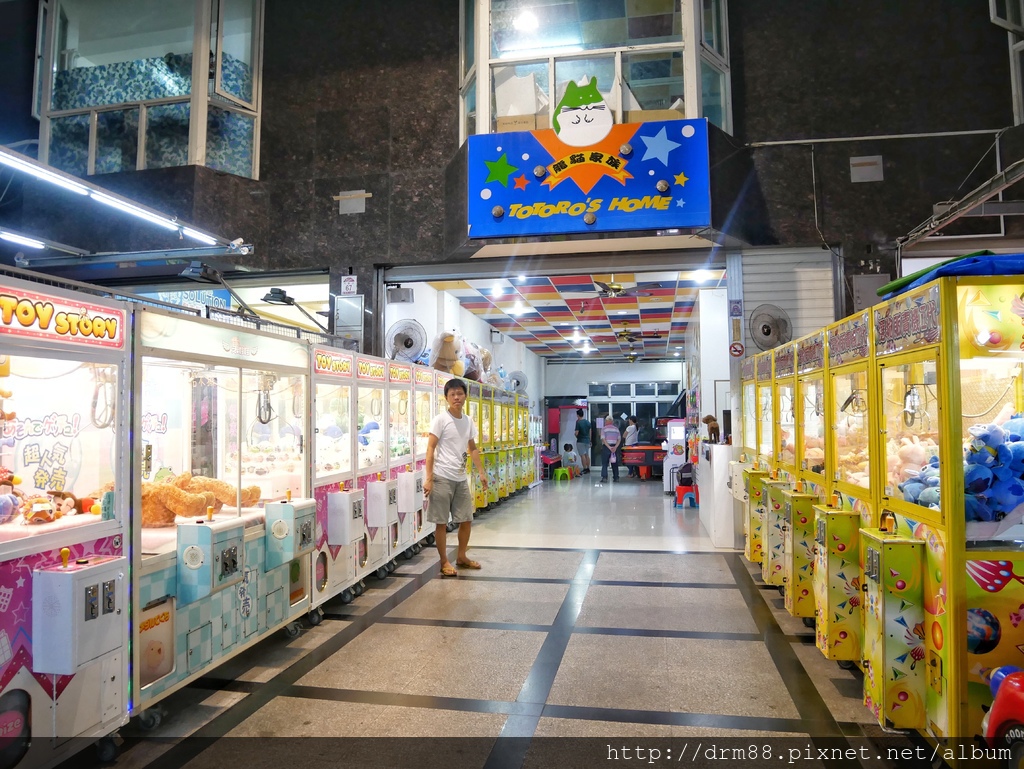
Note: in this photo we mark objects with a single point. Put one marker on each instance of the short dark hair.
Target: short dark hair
(579, 412)
(567, 447)
(453, 384)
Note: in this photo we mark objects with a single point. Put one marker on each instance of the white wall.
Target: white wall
(439, 310)
(574, 378)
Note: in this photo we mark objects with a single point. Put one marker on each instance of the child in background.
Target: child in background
(571, 459)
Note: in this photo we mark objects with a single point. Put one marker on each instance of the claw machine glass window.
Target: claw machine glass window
(334, 433)
(400, 413)
(424, 396)
(486, 419)
(60, 449)
(785, 361)
(910, 415)
(371, 384)
(765, 412)
(473, 403)
(273, 411)
(850, 431)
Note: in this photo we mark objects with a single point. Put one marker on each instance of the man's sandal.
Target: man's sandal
(467, 564)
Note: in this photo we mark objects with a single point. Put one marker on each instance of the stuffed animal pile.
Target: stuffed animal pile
(994, 470)
(190, 495)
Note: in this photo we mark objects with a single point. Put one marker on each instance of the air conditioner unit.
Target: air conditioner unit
(497, 337)
(399, 295)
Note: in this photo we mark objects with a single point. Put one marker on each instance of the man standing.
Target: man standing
(583, 439)
(452, 435)
(610, 440)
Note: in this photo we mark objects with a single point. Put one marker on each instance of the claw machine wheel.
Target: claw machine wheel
(316, 616)
(149, 719)
(292, 629)
(381, 573)
(108, 747)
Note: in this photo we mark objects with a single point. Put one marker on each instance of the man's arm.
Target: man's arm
(428, 476)
(477, 460)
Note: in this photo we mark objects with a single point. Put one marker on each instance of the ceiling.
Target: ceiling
(558, 317)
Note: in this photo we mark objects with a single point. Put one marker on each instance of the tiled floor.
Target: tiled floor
(601, 611)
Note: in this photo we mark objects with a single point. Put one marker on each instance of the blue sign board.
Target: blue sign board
(610, 185)
(197, 298)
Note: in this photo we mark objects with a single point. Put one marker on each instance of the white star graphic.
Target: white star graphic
(20, 582)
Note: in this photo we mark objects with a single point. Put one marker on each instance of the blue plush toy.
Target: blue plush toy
(1014, 428)
(9, 504)
(368, 428)
(929, 498)
(977, 478)
(977, 509)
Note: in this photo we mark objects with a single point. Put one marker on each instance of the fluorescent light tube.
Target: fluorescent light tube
(21, 240)
(134, 210)
(40, 173)
(200, 236)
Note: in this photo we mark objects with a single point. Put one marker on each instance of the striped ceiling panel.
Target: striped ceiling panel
(645, 314)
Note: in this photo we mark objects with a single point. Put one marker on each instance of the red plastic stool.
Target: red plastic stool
(682, 492)
(645, 472)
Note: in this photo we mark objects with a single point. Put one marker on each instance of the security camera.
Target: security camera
(237, 242)
(243, 250)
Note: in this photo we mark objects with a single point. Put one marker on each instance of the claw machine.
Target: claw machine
(224, 526)
(488, 446)
(799, 530)
(426, 405)
(381, 491)
(476, 397)
(339, 504)
(753, 473)
(850, 448)
(501, 413)
(780, 394)
(64, 523)
(402, 532)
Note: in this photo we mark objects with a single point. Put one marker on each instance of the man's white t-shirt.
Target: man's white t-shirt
(451, 452)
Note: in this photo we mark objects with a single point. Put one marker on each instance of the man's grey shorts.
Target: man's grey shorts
(449, 495)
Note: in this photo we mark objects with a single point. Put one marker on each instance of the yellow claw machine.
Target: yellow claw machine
(425, 407)
(783, 474)
(476, 410)
(488, 446)
(753, 478)
(850, 444)
(798, 531)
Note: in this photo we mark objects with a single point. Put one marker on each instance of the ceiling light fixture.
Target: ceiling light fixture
(134, 210)
(701, 275)
(28, 166)
(280, 296)
(203, 273)
(21, 240)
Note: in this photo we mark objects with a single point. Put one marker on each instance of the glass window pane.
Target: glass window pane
(229, 141)
(236, 56)
(766, 418)
(749, 416)
(849, 438)
(713, 94)
(470, 99)
(910, 414)
(646, 412)
(333, 434)
(469, 47)
(622, 407)
(668, 388)
(117, 141)
(75, 457)
(714, 25)
(69, 144)
(399, 425)
(519, 26)
(597, 390)
(787, 425)
(653, 81)
(622, 389)
(643, 389)
(106, 55)
(520, 89)
(273, 413)
(812, 402)
(424, 415)
(369, 418)
(167, 135)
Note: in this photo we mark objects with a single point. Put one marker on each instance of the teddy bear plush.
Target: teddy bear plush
(714, 431)
(223, 493)
(162, 502)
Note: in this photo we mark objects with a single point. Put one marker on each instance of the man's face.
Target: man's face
(456, 397)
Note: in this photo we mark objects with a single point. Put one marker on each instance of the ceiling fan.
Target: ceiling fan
(629, 335)
(613, 290)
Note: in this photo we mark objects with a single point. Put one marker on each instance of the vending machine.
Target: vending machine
(676, 454)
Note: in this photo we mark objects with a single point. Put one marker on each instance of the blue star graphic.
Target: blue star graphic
(680, 202)
(658, 146)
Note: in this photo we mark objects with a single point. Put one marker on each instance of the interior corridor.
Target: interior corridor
(601, 611)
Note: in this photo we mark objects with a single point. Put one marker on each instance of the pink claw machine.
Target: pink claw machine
(64, 379)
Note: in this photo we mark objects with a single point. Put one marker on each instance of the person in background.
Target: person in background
(583, 428)
(446, 487)
(571, 459)
(631, 439)
(645, 433)
(610, 440)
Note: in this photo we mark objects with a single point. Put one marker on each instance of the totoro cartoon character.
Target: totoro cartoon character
(582, 117)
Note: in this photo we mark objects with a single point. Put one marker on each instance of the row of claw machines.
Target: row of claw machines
(884, 479)
(174, 488)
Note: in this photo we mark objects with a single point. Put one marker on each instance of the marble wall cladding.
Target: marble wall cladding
(416, 216)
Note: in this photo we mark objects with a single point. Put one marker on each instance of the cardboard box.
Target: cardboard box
(522, 123)
(516, 123)
(652, 115)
